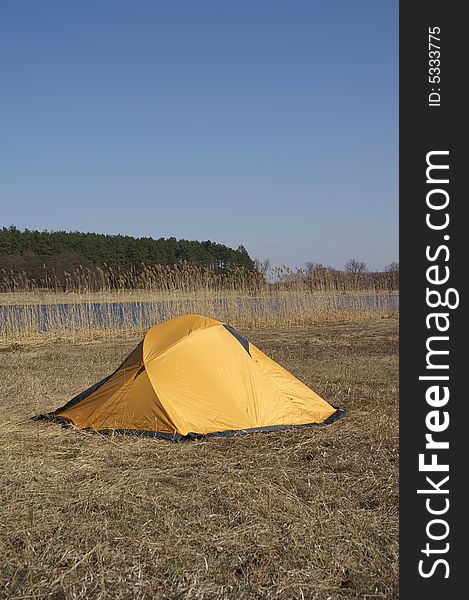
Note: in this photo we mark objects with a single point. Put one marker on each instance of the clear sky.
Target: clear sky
(268, 123)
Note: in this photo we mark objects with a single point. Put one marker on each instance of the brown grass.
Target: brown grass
(301, 514)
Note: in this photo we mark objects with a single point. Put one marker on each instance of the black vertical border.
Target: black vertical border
(423, 129)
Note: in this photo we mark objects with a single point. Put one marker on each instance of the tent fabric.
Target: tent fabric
(194, 376)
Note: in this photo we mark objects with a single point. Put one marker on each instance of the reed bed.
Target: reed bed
(90, 304)
(186, 278)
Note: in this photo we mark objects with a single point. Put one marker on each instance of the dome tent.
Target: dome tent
(193, 376)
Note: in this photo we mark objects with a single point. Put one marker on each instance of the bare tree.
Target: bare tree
(314, 266)
(392, 271)
(392, 267)
(262, 266)
(355, 267)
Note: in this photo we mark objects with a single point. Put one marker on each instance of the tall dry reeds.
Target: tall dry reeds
(186, 277)
(91, 303)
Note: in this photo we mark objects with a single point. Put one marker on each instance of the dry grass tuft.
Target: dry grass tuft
(302, 514)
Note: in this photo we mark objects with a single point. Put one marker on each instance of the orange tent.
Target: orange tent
(193, 376)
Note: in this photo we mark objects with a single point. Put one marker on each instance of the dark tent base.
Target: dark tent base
(176, 437)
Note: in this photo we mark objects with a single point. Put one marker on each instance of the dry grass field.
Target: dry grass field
(303, 514)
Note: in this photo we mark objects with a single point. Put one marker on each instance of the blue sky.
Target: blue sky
(268, 123)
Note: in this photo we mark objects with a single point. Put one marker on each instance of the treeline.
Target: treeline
(355, 276)
(38, 255)
(90, 262)
(318, 278)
